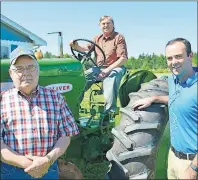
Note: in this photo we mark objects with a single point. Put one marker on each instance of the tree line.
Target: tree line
(152, 62)
(143, 61)
(50, 55)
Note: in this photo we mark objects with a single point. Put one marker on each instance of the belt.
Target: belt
(182, 155)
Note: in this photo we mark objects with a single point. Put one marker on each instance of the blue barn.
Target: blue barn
(13, 35)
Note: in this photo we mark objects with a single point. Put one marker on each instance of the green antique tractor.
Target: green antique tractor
(134, 142)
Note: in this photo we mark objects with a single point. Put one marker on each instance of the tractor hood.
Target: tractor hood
(64, 75)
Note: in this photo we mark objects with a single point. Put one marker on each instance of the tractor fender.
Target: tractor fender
(137, 137)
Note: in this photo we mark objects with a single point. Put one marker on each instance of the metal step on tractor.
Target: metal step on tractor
(134, 142)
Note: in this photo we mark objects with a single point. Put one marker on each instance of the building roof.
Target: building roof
(37, 40)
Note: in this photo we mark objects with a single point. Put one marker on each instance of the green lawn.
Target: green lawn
(94, 170)
(162, 74)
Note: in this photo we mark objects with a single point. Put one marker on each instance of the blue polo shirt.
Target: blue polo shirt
(183, 114)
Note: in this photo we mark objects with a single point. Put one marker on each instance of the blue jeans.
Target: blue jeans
(111, 85)
(12, 172)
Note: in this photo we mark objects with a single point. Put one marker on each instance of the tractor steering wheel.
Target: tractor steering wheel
(86, 56)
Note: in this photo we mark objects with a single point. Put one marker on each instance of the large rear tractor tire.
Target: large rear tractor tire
(136, 138)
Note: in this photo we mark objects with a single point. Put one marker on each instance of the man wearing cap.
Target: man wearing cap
(182, 104)
(36, 123)
(114, 46)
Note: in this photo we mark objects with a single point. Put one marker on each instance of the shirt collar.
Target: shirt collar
(189, 82)
(33, 93)
(110, 36)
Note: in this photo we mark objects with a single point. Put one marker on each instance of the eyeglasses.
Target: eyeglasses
(21, 69)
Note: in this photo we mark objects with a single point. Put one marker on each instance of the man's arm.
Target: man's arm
(160, 99)
(59, 148)
(66, 128)
(191, 171)
(121, 52)
(146, 102)
(195, 161)
(78, 47)
(13, 158)
(116, 64)
(40, 165)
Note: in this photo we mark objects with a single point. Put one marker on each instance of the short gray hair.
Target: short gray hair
(106, 17)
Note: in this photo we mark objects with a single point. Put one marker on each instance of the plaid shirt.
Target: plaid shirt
(33, 125)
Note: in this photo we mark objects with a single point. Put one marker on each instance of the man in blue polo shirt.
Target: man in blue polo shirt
(182, 103)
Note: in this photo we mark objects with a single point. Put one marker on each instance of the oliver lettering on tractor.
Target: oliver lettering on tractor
(61, 88)
(137, 148)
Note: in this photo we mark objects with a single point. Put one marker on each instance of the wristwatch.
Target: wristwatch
(195, 168)
(50, 159)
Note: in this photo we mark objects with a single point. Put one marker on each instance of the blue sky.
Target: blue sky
(147, 26)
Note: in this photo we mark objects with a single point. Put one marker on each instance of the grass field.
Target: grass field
(161, 74)
(98, 170)
(94, 170)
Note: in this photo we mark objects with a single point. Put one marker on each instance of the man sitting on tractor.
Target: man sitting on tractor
(114, 46)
